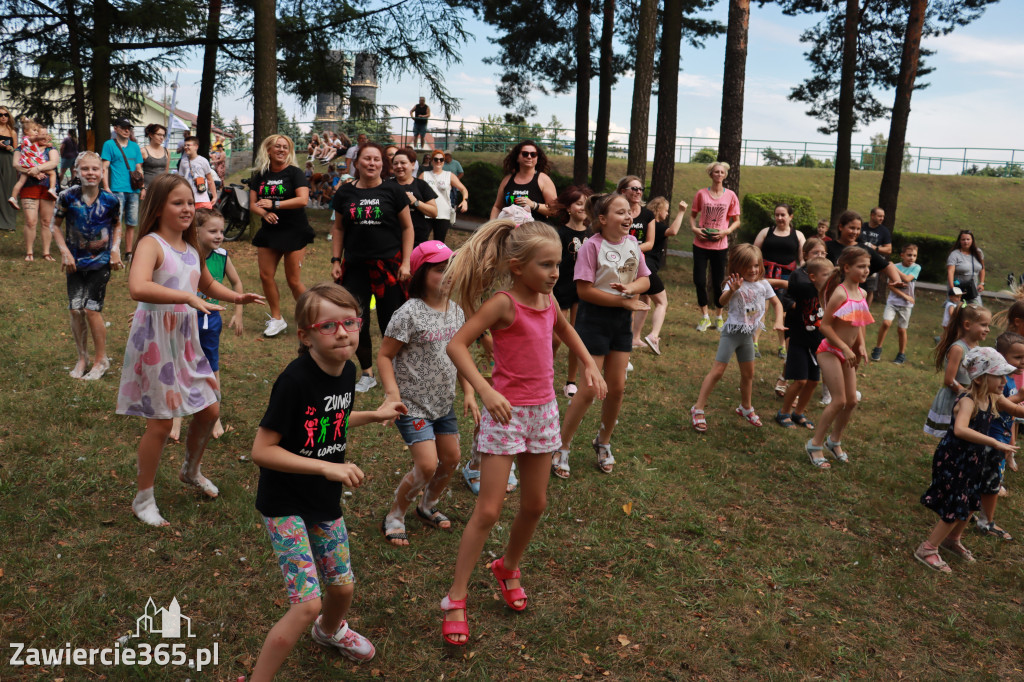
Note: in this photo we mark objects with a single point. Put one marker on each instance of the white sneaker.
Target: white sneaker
(347, 641)
(275, 326)
(826, 397)
(704, 324)
(365, 383)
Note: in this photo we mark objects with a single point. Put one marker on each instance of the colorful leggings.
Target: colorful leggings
(300, 551)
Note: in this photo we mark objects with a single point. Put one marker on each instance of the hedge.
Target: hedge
(481, 180)
(758, 212)
(932, 252)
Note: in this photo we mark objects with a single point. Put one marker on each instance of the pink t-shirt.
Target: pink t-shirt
(603, 263)
(714, 214)
(524, 370)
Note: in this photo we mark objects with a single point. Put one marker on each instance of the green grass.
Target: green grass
(738, 560)
(932, 204)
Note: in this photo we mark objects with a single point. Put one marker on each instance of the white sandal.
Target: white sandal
(560, 463)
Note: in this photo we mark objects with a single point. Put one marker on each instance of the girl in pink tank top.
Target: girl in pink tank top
(520, 416)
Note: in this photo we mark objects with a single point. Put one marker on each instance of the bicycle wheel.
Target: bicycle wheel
(234, 229)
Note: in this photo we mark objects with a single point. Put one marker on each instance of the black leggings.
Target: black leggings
(357, 280)
(716, 258)
(440, 227)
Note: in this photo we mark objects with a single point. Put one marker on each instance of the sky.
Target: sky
(974, 98)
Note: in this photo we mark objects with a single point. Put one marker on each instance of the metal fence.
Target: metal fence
(498, 136)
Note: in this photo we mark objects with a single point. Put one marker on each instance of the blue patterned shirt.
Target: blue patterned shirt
(88, 227)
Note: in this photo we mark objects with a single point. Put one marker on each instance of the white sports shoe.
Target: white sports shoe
(365, 383)
(275, 326)
(350, 643)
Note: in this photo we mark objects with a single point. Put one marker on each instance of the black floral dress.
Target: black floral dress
(956, 473)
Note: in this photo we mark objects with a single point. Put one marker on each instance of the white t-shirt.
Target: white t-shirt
(603, 263)
(196, 168)
(441, 183)
(747, 306)
(898, 301)
(424, 372)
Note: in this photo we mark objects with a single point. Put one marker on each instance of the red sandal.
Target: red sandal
(516, 593)
(454, 627)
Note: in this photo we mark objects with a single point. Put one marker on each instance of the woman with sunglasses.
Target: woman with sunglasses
(8, 176)
(422, 198)
(632, 188)
(965, 267)
(442, 182)
(527, 183)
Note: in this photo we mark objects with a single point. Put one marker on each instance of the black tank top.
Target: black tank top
(781, 250)
(531, 189)
(420, 109)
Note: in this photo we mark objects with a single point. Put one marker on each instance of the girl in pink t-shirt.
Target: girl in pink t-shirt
(719, 212)
(520, 417)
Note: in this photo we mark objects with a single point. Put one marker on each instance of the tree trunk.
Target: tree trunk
(264, 90)
(730, 142)
(643, 76)
(664, 169)
(100, 74)
(604, 99)
(844, 127)
(888, 193)
(582, 145)
(77, 71)
(205, 113)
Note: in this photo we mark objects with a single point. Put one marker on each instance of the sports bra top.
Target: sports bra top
(854, 311)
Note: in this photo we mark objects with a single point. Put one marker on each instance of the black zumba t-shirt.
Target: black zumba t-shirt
(565, 287)
(310, 409)
(640, 223)
(370, 219)
(655, 258)
(424, 192)
(833, 249)
(803, 319)
(292, 231)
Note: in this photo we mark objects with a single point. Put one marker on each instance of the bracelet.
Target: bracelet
(335, 259)
(416, 203)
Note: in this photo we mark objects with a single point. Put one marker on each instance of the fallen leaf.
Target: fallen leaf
(651, 545)
(623, 640)
(586, 659)
(628, 508)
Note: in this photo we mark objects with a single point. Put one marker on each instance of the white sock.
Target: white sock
(144, 506)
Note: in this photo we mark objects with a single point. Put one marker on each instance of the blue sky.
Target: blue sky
(974, 100)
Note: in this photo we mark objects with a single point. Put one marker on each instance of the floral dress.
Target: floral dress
(165, 372)
(956, 472)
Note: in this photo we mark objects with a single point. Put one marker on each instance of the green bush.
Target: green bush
(482, 180)
(758, 212)
(705, 155)
(932, 251)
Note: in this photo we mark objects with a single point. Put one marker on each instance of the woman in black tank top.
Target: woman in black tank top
(781, 246)
(526, 182)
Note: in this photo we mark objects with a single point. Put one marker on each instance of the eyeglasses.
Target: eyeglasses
(528, 155)
(634, 189)
(330, 327)
(438, 159)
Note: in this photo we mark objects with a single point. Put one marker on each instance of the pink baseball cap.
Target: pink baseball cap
(433, 251)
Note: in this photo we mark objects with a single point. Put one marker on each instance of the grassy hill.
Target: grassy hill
(933, 204)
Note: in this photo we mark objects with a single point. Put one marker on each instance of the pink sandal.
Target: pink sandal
(454, 627)
(697, 418)
(750, 416)
(516, 593)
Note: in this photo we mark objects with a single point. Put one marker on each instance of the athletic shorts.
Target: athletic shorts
(87, 289)
(604, 329)
(209, 337)
(801, 364)
(294, 544)
(657, 286)
(898, 312)
(533, 429)
(735, 342)
(419, 429)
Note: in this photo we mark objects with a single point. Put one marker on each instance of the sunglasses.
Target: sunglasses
(330, 327)
(4, 113)
(438, 159)
(634, 189)
(528, 155)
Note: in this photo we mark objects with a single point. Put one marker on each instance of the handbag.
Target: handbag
(198, 180)
(135, 178)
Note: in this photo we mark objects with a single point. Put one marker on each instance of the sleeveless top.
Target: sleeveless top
(216, 263)
(530, 189)
(152, 167)
(524, 371)
(782, 251)
(441, 183)
(854, 311)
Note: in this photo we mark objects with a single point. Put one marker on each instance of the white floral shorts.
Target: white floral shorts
(533, 429)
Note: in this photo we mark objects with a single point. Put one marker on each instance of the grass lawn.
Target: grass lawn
(723, 556)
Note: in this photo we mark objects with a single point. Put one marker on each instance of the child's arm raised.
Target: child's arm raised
(734, 282)
(591, 372)
(389, 350)
(236, 286)
(148, 257)
(267, 453)
(954, 356)
(497, 312)
(962, 428)
(677, 224)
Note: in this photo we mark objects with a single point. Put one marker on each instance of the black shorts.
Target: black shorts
(657, 286)
(87, 289)
(566, 296)
(801, 365)
(604, 329)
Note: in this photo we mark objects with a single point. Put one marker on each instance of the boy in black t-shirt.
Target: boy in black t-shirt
(300, 448)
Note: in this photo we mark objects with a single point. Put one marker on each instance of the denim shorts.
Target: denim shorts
(418, 429)
(129, 207)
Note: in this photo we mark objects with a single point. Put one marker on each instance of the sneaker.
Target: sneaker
(826, 397)
(347, 641)
(900, 358)
(704, 325)
(653, 343)
(570, 389)
(757, 352)
(719, 323)
(782, 352)
(876, 353)
(275, 326)
(365, 383)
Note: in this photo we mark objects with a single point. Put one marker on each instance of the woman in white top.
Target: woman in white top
(442, 182)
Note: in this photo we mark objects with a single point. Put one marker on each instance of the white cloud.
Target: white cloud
(1007, 56)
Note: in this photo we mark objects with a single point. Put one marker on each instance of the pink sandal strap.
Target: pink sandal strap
(501, 573)
(454, 627)
(509, 595)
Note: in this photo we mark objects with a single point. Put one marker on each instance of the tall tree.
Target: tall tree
(643, 77)
(604, 97)
(581, 148)
(264, 84)
(846, 117)
(208, 82)
(730, 141)
(664, 166)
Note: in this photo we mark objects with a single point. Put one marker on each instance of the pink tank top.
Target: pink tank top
(524, 369)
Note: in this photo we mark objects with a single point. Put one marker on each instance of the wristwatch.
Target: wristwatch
(274, 205)
(416, 203)
(335, 259)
